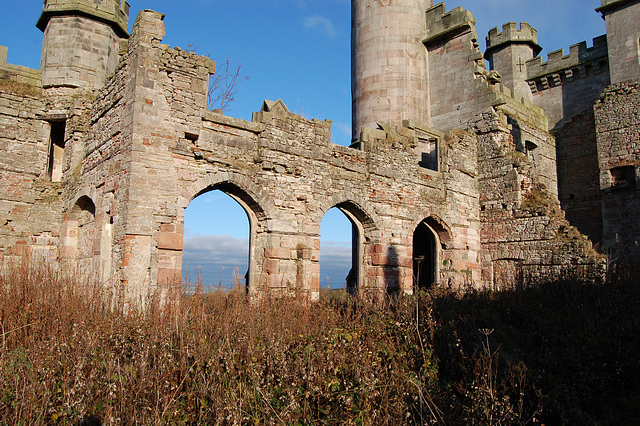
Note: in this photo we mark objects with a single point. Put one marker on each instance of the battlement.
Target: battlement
(112, 12)
(511, 34)
(18, 73)
(442, 24)
(557, 61)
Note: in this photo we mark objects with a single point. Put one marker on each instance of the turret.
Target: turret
(623, 37)
(509, 50)
(81, 40)
(388, 62)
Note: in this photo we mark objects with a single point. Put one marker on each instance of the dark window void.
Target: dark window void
(623, 177)
(56, 150)
(428, 151)
(424, 257)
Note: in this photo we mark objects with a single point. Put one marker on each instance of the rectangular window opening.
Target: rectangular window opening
(427, 149)
(56, 150)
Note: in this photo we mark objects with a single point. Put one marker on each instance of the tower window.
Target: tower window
(56, 150)
(427, 149)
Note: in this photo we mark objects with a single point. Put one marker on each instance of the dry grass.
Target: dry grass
(219, 359)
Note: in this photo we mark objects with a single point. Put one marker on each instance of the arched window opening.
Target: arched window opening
(216, 242)
(424, 257)
(339, 251)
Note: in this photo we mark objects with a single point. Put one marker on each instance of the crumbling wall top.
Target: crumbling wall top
(112, 12)
(557, 61)
(148, 27)
(441, 24)
(18, 73)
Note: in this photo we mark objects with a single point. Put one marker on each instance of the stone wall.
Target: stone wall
(617, 118)
(579, 176)
(525, 238)
(568, 85)
(29, 203)
(135, 150)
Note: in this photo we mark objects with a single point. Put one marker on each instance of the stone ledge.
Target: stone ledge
(236, 123)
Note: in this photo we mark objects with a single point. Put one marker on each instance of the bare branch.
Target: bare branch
(223, 85)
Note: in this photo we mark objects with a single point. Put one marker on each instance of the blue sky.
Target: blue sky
(297, 50)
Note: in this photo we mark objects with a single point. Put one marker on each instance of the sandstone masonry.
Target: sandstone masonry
(452, 178)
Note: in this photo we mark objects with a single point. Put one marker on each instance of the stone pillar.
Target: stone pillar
(508, 52)
(388, 62)
(81, 41)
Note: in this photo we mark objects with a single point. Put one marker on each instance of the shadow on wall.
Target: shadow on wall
(391, 271)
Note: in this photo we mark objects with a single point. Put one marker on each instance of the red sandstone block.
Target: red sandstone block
(275, 280)
(379, 259)
(170, 241)
(288, 242)
(20, 210)
(277, 253)
(169, 276)
(19, 250)
(314, 255)
(405, 262)
(271, 266)
(167, 227)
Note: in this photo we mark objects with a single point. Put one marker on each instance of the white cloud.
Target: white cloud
(321, 24)
(217, 256)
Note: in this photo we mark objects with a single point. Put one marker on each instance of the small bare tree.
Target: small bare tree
(223, 85)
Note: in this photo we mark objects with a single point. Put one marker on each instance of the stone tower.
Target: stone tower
(81, 40)
(623, 38)
(509, 50)
(388, 62)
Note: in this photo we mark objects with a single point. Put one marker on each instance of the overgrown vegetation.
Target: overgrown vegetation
(563, 353)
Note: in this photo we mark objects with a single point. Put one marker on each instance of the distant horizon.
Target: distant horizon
(299, 51)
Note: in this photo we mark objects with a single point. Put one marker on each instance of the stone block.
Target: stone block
(170, 241)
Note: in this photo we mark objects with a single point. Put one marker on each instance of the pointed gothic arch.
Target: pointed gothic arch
(430, 236)
(253, 200)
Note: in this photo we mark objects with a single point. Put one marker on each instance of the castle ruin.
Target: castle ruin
(456, 175)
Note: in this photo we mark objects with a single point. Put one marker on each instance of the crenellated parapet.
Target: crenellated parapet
(559, 66)
(511, 34)
(18, 73)
(442, 24)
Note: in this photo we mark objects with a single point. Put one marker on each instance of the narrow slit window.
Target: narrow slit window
(56, 150)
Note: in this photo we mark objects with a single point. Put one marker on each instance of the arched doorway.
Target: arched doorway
(80, 235)
(425, 257)
(217, 235)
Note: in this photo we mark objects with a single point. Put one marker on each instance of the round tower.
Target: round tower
(508, 53)
(388, 62)
(81, 40)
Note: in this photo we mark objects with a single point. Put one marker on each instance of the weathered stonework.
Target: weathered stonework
(454, 184)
